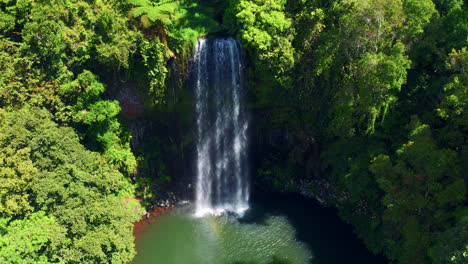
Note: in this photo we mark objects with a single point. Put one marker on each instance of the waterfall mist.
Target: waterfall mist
(222, 158)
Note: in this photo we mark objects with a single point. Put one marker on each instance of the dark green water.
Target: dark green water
(278, 230)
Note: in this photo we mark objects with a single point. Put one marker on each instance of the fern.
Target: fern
(160, 12)
(182, 21)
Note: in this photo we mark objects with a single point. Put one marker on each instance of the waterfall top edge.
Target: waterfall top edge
(218, 38)
(219, 35)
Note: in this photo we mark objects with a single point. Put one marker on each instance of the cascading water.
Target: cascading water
(222, 164)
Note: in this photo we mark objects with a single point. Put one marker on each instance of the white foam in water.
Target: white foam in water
(222, 123)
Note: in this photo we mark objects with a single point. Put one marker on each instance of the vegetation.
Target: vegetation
(66, 163)
(380, 85)
(60, 203)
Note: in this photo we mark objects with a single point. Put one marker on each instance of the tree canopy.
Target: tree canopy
(371, 97)
(65, 195)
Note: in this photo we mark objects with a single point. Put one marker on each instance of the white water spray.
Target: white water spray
(222, 160)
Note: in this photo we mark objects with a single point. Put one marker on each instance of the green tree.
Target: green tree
(34, 239)
(418, 15)
(451, 245)
(183, 21)
(454, 104)
(66, 35)
(266, 31)
(99, 119)
(379, 79)
(422, 187)
(446, 6)
(162, 13)
(154, 61)
(20, 81)
(46, 169)
(17, 173)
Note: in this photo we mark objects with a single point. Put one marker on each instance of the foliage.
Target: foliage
(45, 68)
(361, 69)
(135, 206)
(418, 16)
(68, 56)
(154, 60)
(20, 81)
(98, 119)
(451, 245)
(344, 74)
(421, 187)
(183, 21)
(23, 240)
(62, 192)
(266, 31)
(455, 98)
(159, 12)
(171, 27)
(379, 79)
(64, 35)
(278, 174)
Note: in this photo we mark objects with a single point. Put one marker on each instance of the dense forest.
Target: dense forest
(378, 89)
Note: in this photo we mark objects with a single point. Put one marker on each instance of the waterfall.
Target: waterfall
(222, 163)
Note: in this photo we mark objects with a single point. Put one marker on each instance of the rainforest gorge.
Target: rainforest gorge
(361, 105)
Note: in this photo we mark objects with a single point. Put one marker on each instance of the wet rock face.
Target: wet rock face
(129, 100)
(160, 145)
(298, 148)
(159, 138)
(132, 111)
